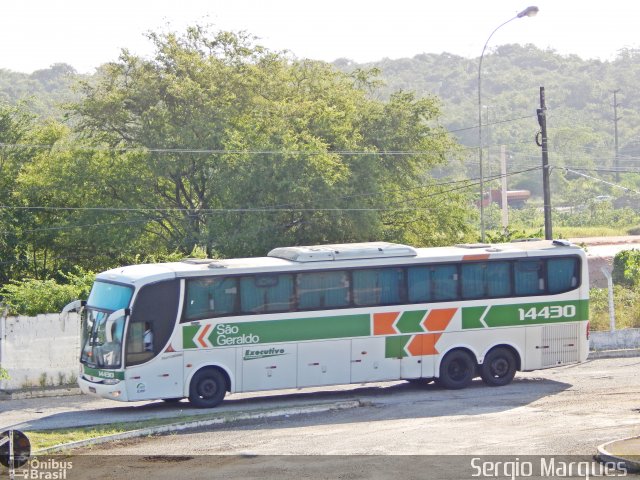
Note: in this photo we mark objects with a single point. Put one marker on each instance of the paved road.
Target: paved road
(562, 411)
(567, 410)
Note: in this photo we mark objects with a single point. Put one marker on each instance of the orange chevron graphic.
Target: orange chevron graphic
(423, 344)
(203, 335)
(438, 319)
(383, 323)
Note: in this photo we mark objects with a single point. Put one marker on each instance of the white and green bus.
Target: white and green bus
(333, 314)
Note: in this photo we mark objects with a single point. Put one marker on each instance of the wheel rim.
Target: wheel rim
(207, 388)
(499, 367)
(458, 370)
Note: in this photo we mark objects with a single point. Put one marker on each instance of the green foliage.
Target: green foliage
(4, 375)
(32, 296)
(275, 168)
(626, 268)
(627, 307)
(509, 235)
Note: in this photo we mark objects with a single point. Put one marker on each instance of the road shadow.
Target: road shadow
(425, 400)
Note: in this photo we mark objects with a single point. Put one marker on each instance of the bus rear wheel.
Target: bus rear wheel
(207, 388)
(498, 368)
(457, 369)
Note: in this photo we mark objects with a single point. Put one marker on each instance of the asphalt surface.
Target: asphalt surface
(566, 410)
(556, 412)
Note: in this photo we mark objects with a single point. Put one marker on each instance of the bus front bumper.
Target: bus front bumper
(116, 391)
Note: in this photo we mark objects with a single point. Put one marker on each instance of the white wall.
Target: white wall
(32, 346)
(616, 340)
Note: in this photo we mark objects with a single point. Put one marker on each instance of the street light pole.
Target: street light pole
(527, 12)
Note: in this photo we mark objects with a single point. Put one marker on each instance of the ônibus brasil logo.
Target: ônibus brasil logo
(15, 448)
(271, 352)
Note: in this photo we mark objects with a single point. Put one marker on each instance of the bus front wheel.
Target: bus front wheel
(207, 388)
(498, 368)
(457, 369)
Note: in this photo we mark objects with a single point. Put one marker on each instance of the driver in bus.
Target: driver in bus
(148, 338)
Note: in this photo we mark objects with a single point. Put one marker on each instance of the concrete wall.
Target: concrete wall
(32, 347)
(616, 340)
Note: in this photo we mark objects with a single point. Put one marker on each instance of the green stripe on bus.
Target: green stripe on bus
(526, 314)
(274, 331)
(96, 372)
(471, 317)
(394, 346)
(410, 321)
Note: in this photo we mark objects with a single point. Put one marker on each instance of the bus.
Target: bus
(310, 316)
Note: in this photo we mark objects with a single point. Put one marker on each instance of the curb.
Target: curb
(219, 420)
(621, 353)
(604, 456)
(40, 393)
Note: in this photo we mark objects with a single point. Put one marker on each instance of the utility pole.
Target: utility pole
(542, 120)
(615, 133)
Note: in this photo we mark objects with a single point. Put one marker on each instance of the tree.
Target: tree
(238, 149)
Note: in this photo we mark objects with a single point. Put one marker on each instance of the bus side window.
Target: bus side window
(266, 293)
(499, 279)
(473, 280)
(211, 297)
(419, 284)
(377, 286)
(444, 282)
(318, 290)
(562, 274)
(528, 277)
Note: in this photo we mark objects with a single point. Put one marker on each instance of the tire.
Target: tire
(457, 369)
(207, 389)
(499, 367)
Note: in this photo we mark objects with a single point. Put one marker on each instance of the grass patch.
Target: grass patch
(627, 307)
(581, 232)
(49, 438)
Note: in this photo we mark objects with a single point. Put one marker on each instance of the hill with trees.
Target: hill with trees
(579, 97)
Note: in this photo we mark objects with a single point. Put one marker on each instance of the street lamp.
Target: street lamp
(527, 12)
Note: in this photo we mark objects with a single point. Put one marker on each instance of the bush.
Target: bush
(31, 296)
(627, 307)
(626, 268)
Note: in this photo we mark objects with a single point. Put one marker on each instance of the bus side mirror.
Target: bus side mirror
(74, 306)
(112, 318)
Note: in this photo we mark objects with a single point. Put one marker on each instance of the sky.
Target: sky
(35, 34)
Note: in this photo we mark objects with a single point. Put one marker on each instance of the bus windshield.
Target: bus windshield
(102, 340)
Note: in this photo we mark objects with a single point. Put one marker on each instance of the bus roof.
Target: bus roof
(320, 257)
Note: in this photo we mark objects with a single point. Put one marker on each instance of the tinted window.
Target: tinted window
(498, 279)
(487, 279)
(419, 284)
(562, 274)
(320, 290)
(153, 318)
(529, 278)
(266, 293)
(377, 286)
(211, 297)
(444, 281)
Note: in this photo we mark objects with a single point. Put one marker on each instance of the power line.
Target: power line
(611, 184)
